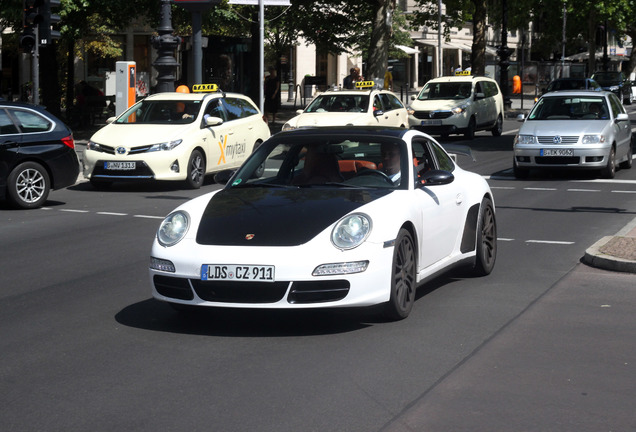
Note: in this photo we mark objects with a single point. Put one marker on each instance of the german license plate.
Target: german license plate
(557, 152)
(120, 165)
(431, 122)
(232, 272)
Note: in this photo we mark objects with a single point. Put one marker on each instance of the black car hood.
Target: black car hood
(262, 216)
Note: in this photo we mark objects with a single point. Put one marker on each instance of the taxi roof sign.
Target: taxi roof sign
(365, 84)
(465, 72)
(198, 88)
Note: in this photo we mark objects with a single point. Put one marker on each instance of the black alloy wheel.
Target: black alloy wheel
(196, 170)
(486, 239)
(403, 286)
(498, 129)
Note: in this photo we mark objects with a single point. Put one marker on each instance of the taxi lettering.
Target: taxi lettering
(234, 150)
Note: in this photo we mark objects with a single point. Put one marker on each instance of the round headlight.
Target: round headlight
(351, 231)
(173, 228)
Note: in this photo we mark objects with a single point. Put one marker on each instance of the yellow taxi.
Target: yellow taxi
(176, 136)
(364, 106)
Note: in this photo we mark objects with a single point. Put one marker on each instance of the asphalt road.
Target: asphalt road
(84, 347)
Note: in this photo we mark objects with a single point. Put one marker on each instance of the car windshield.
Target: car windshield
(339, 103)
(446, 90)
(325, 162)
(161, 112)
(607, 78)
(570, 108)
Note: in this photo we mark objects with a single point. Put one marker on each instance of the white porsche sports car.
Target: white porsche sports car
(339, 217)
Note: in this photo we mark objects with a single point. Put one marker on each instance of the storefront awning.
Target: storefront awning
(406, 49)
(584, 56)
(455, 45)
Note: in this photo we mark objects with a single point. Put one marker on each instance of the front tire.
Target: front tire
(610, 169)
(627, 164)
(28, 185)
(196, 170)
(403, 287)
(486, 239)
(498, 129)
(470, 130)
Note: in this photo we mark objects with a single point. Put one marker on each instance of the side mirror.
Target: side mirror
(413, 97)
(212, 121)
(622, 117)
(222, 177)
(299, 112)
(480, 96)
(521, 117)
(436, 178)
(109, 120)
(378, 113)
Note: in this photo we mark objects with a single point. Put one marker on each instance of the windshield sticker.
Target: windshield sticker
(237, 182)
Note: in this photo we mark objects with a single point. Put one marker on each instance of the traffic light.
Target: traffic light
(30, 18)
(46, 33)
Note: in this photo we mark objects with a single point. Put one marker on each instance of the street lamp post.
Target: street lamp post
(165, 43)
(504, 55)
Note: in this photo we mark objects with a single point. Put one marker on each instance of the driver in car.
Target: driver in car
(391, 161)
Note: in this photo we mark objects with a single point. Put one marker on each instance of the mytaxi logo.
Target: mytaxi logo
(222, 145)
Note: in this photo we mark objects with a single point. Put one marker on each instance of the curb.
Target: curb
(614, 252)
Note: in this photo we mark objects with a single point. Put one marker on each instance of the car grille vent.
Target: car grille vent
(564, 139)
(141, 149)
(318, 291)
(240, 292)
(177, 288)
(424, 115)
(558, 160)
(107, 149)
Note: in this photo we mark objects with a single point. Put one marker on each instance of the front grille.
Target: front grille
(240, 292)
(425, 115)
(549, 139)
(557, 160)
(177, 288)
(318, 291)
(140, 149)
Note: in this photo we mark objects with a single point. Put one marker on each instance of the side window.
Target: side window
(423, 159)
(215, 109)
(31, 122)
(248, 108)
(386, 102)
(233, 108)
(443, 160)
(617, 106)
(479, 88)
(6, 125)
(377, 104)
(395, 102)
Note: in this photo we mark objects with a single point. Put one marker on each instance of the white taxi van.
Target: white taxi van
(176, 136)
(366, 105)
(461, 104)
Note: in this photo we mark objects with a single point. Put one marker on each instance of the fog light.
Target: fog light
(175, 166)
(340, 268)
(161, 265)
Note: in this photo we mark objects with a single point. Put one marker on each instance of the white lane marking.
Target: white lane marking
(539, 189)
(583, 190)
(550, 242)
(505, 239)
(149, 217)
(623, 191)
(112, 214)
(503, 187)
(75, 211)
(605, 181)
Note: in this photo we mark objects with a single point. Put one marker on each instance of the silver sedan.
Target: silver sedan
(574, 129)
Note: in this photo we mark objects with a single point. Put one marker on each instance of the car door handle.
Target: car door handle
(230, 132)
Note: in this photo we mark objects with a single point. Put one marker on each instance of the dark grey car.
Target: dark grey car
(617, 83)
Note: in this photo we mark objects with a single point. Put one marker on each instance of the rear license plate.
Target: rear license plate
(557, 152)
(431, 122)
(231, 272)
(120, 165)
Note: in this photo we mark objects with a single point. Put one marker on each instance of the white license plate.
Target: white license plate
(120, 165)
(431, 122)
(557, 152)
(231, 272)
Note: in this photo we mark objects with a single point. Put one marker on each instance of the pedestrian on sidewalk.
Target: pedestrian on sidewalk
(272, 94)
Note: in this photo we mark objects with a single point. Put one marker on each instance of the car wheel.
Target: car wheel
(403, 287)
(196, 170)
(469, 133)
(498, 129)
(486, 239)
(610, 169)
(28, 185)
(520, 173)
(627, 164)
(630, 98)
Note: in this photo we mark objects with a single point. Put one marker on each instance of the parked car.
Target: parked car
(176, 136)
(37, 154)
(458, 105)
(574, 129)
(572, 84)
(617, 83)
(341, 217)
(365, 106)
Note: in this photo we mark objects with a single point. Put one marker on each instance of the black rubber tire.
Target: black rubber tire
(610, 169)
(28, 185)
(498, 129)
(469, 133)
(486, 246)
(196, 170)
(628, 163)
(403, 285)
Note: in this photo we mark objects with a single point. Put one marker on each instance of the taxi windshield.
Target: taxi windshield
(446, 90)
(339, 103)
(161, 112)
(570, 108)
(326, 162)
